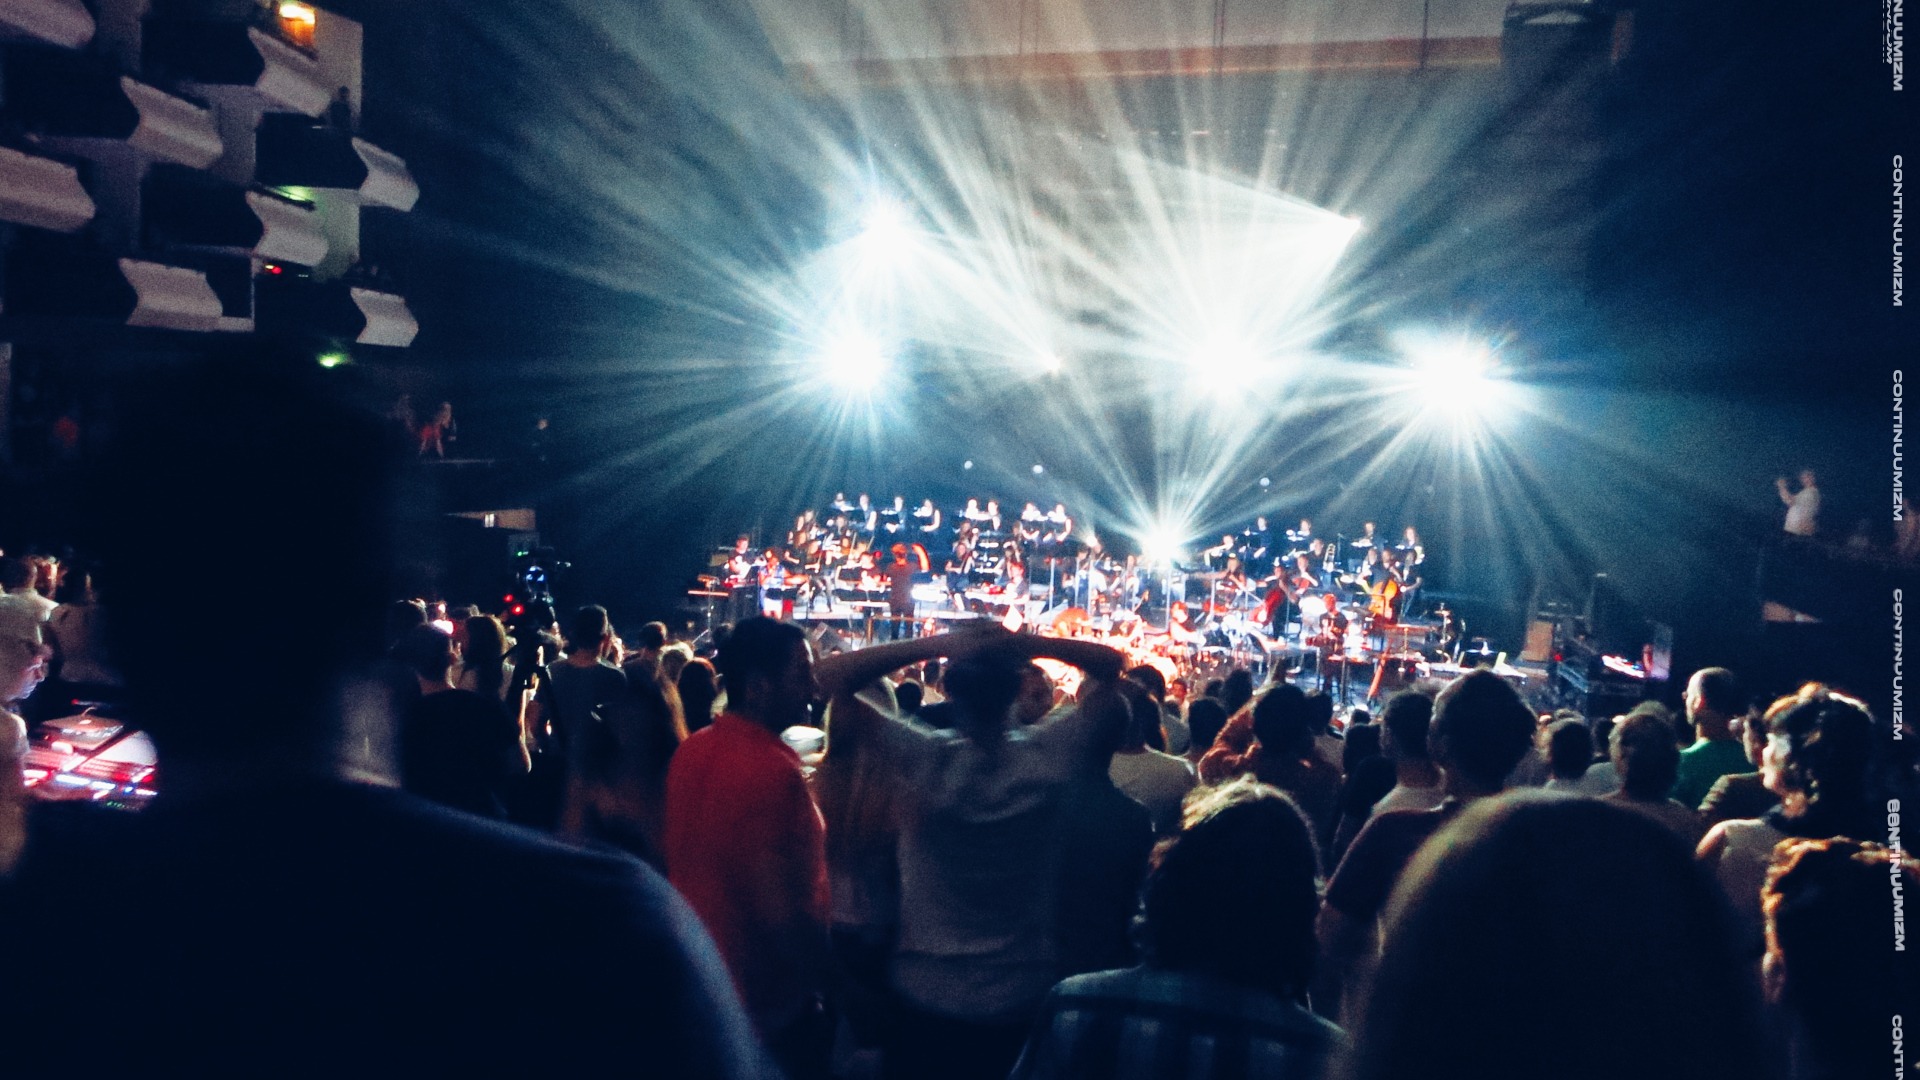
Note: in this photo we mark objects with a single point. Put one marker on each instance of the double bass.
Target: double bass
(1383, 601)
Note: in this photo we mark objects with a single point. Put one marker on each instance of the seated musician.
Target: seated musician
(1027, 529)
(1407, 573)
(1218, 553)
(771, 576)
(1365, 542)
(928, 515)
(740, 586)
(959, 567)
(1060, 525)
(1305, 575)
(1320, 557)
(1234, 582)
(804, 537)
(1410, 549)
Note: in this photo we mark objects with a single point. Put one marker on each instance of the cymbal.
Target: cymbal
(707, 579)
(705, 592)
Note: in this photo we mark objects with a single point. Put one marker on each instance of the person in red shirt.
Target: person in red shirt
(745, 844)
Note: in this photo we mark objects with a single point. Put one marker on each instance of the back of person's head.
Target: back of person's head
(1142, 728)
(1237, 690)
(982, 689)
(1150, 679)
(638, 736)
(1828, 958)
(1644, 752)
(1205, 717)
(1215, 688)
(699, 688)
(1828, 739)
(1720, 690)
(1677, 729)
(908, 695)
(15, 573)
(1481, 729)
(1361, 743)
(486, 639)
(1232, 895)
(427, 651)
(1405, 722)
(299, 490)
(758, 649)
(1282, 721)
(1490, 967)
(1111, 720)
(402, 616)
(587, 627)
(652, 635)
(485, 651)
(1320, 712)
(1035, 699)
(1603, 733)
(1569, 749)
(673, 659)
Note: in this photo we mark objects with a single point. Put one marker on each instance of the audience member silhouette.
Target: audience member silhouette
(1817, 759)
(745, 843)
(1228, 952)
(1646, 758)
(1544, 936)
(979, 840)
(1741, 794)
(1480, 729)
(1831, 961)
(288, 919)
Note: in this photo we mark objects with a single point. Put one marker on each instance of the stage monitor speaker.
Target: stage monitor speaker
(1539, 647)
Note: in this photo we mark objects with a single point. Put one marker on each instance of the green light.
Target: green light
(333, 359)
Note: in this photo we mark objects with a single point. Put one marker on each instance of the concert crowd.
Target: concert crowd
(398, 836)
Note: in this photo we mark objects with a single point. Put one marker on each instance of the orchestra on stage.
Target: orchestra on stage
(1337, 605)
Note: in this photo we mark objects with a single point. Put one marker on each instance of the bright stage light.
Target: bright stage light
(1048, 363)
(1224, 355)
(1039, 470)
(854, 361)
(886, 233)
(1451, 376)
(1160, 545)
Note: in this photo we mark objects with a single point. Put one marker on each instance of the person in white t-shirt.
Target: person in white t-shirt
(1803, 506)
(977, 852)
(1157, 781)
(1570, 756)
(1404, 723)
